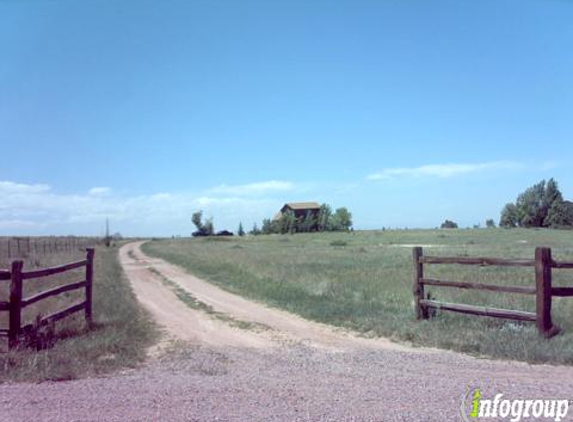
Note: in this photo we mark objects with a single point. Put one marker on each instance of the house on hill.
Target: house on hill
(300, 210)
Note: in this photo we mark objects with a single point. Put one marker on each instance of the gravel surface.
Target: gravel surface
(285, 381)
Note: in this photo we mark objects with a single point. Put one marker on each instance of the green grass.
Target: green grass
(192, 302)
(118, 339)
(363, 281)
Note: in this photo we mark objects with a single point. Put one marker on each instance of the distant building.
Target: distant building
(300, 209)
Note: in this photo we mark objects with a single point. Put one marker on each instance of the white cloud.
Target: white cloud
(99, 191)
(8, 188)
(443, 170)
(38, 209)
(259, 188)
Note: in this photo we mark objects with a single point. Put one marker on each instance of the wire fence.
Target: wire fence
(20, 247)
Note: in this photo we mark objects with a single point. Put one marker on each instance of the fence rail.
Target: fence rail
(17, 303)
(543, 291)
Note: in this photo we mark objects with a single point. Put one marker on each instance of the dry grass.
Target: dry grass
(366, 284)
(118, 338)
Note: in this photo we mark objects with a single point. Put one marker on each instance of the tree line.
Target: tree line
(322, 221)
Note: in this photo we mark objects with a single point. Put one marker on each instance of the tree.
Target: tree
(341, 220)
(255, 231)
(241, 231)
(560, 214)
(509, 216)
(489, 223)
(308, 223)
(208, 227)
(324, 222)
(530, 206)
(196, 219)
(555, 212)
(203, 229)
(288, 222)
(538, 206)
(449, 224)
(267, 226)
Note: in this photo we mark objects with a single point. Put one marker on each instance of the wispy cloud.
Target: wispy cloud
(99, 191)
(259, 188)
(12, 188)
(443, 170)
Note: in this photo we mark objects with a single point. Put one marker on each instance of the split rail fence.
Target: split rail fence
(543, 290)
(17, 303)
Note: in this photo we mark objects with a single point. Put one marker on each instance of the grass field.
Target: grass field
(363, 281)
(118, 338)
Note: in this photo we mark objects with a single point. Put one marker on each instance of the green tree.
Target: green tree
(240, 230)
(255, 231)
(538, 206)
(554, 211)
(341, 220)
(489, 223)
(560, 214)
(288, 222)
(208, 227)
(324, 222)
(266, 228)
(196, 219)
(509, 217)
(308, 223)
(203, 229)
(449, 224)
(530, 205)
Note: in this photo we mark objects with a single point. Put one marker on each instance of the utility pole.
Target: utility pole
(107, 237)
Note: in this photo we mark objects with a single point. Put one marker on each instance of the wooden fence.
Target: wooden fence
(543, 290)
(17, 303)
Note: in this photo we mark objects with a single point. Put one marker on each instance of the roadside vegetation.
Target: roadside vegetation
(363, 281)
(118, 338)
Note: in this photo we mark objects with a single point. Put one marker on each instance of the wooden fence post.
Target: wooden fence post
(89, 284)
(15, 312)
(420, 310)
(543, 300)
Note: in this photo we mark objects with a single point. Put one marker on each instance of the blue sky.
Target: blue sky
(406, 112)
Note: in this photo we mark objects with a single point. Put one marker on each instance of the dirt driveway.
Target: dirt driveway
(224, 358)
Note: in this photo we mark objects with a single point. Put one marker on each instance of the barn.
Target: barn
(300, 209)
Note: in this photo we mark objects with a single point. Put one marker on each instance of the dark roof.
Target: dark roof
(302, 205)
(297, 206)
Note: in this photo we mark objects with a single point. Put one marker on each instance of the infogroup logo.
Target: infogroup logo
(475, 407)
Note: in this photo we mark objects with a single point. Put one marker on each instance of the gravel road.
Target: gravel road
(293, 370)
